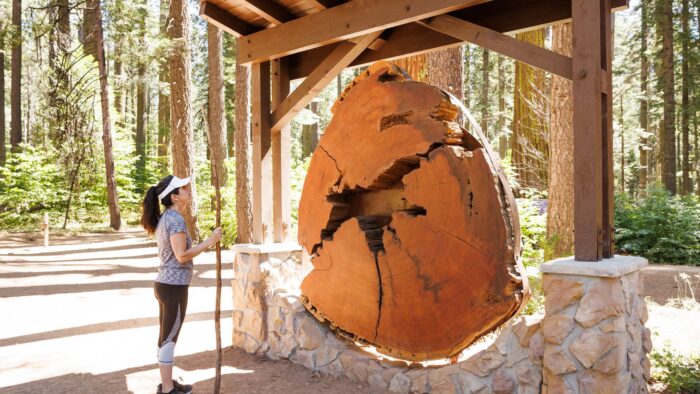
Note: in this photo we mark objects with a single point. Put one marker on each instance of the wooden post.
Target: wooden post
(608, 174)
(592, 130)
(45, 228)
(262, 157)
(281, 156)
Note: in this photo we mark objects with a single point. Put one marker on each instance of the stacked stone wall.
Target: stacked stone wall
(591, 339)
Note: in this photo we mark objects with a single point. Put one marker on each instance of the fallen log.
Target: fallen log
(410, 222)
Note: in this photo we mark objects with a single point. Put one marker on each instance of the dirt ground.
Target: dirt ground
(80, 316)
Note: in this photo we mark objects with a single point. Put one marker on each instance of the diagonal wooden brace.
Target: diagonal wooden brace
(329, 68)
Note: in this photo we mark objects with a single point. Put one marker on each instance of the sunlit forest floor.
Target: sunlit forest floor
(81, 317)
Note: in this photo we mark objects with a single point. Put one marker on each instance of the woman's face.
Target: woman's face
(183, 196)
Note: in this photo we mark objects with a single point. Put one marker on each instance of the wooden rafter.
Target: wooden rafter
(269, 10)
(533, 55)
(411, 39)
(342, 22)
(335, 62)
(224, 20)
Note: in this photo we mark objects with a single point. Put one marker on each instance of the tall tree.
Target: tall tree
(502, 135)
(485, 87)
(309, 133)
(141, 92)
(112, 201)
(243, 153)
(216, 119)
(667, 133)
(446, 70)
(686, 186)
(163, 97)
(16, 82)
(119, 102)
(643, 99)
(560, 207)
(181, 105)
(529, 139)
(443, 68)
(2, 105)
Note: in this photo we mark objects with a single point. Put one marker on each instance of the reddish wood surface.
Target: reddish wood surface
(411, 224)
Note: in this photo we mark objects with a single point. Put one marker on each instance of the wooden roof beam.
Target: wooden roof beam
(331, 66)
(492, 40)
(221, 18)
(413, 38)
(269, 10)
(342, 22)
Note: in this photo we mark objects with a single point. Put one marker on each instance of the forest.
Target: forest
(100, 99)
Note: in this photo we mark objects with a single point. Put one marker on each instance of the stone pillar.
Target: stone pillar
(259, 269)
(595, 339)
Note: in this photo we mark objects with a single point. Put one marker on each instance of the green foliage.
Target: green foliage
(680, 374)
(533, 229)
(31, 184)
(663, 228)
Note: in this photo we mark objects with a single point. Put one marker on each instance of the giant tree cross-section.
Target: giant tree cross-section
(410, 222)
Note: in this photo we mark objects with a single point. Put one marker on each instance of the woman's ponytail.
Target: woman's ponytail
(151, 211)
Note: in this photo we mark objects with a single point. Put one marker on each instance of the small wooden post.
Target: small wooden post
(262, 157)
(281, 156)
(45, 228)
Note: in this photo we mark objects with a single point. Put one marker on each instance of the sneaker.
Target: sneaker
(175, 390)
(184, 388)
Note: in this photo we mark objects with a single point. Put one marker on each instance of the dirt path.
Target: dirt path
(80, 317)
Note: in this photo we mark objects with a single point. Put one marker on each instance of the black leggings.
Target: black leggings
(172, 300)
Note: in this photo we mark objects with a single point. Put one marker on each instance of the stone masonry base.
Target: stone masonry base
(591, 340)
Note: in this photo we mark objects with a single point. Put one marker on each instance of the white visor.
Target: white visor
(174, 184)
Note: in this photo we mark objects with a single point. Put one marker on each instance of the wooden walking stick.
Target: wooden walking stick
(217, 311)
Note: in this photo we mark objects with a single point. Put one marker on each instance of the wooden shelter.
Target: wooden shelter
(283, 40)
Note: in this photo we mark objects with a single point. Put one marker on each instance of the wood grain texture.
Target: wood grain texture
(411, 224)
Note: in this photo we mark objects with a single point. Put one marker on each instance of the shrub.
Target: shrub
(31, 184)
(660, 227)
(679, 374)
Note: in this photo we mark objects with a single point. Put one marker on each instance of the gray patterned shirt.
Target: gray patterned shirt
(171, 271)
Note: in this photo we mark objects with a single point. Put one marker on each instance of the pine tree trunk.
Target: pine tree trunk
(2, 108)
(163, 100)
(309, 133)
(502, 135)
(467, 77)
(180, 105)
(141, 106)
(560, 206)
(686, 187)
(667, 136)
(485, 92)
(216, 119)
(529, 140)
(119, 102)
(416, 66)
(63, 25)
(446, 70)
(243, 152)
(643, 102)
(16, 82)
(112, 201)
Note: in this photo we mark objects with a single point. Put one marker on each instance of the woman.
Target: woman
(176, 252)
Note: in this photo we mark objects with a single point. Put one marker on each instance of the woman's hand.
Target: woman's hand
(215, 236)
